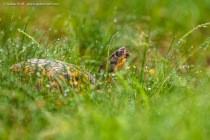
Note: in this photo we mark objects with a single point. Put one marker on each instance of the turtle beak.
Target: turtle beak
(127, 54)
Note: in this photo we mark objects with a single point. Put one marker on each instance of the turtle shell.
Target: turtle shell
(58, 74)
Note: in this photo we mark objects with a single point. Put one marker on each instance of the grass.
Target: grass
(161, 93)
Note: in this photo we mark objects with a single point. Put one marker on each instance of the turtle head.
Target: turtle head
(116, 60)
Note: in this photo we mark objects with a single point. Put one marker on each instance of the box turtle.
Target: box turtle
(58, 75)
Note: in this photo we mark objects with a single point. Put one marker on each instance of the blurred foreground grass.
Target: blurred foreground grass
(171, 102)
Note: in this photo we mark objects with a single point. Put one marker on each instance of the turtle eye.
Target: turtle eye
(119, 53)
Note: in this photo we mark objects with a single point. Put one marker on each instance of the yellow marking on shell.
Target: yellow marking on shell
(43, 72)
(27, 69)
(54, 84)
(12, 69)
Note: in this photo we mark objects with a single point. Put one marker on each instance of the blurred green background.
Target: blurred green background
(171, 103)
